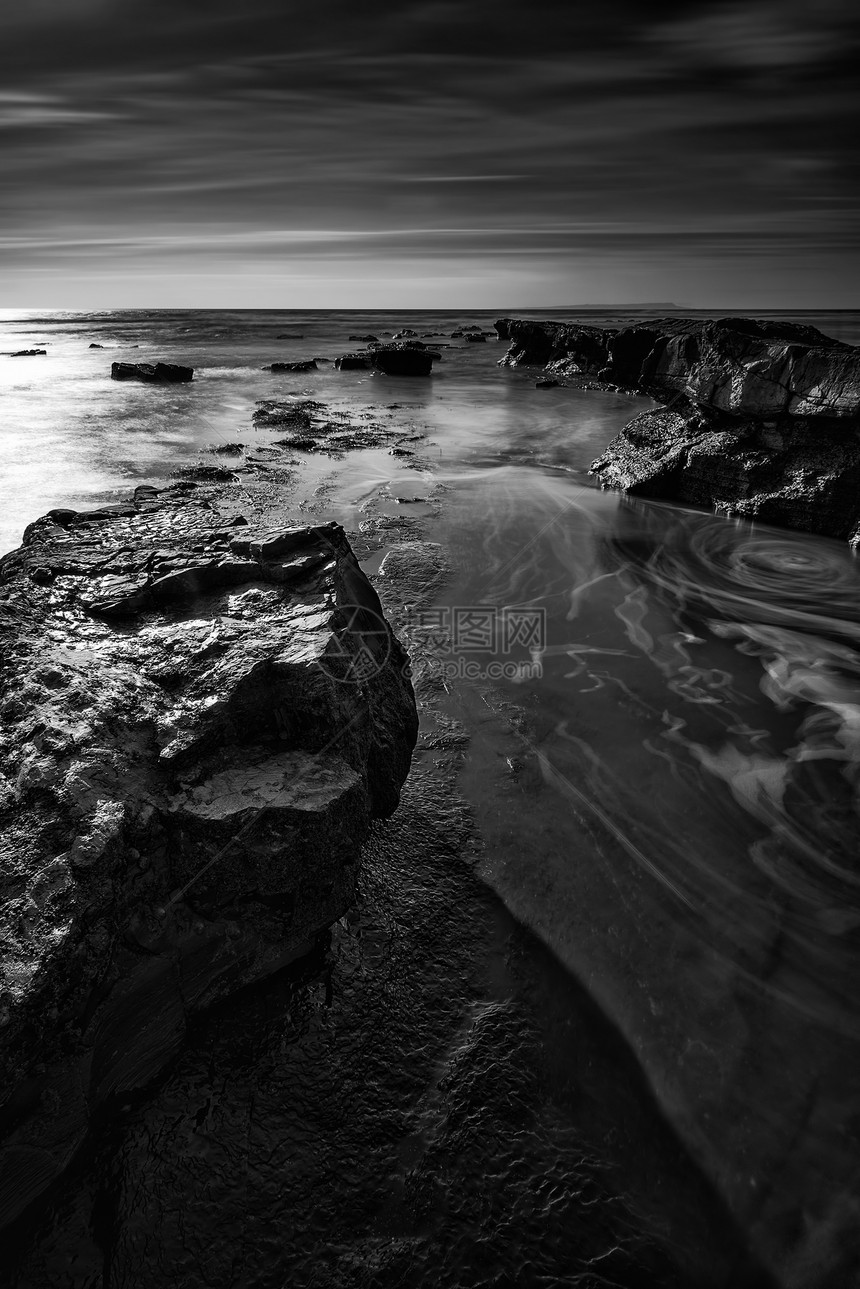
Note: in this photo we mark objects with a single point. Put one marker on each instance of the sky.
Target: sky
(429, 153)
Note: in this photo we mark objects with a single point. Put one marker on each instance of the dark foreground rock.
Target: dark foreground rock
(152, 373)
(201, 719)
(763, 418)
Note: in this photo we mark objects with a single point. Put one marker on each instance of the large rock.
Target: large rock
(539, 343)
(741, 366)
(763, 418)
(201, 720)
(405, 359)
(151, 373)
(798, 473)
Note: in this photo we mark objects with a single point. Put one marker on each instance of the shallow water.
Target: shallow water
(666, 778)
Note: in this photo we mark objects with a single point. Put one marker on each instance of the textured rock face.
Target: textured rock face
(763, 417)
(740, 366)
(798, 474)
(151, 373)
(201, 719)
(539, 343)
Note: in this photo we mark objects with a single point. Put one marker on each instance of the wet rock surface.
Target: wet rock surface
(763, 418)
(202, 716)
(152, 373)
(795, 472)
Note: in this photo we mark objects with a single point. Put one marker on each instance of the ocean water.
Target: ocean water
(665, 773)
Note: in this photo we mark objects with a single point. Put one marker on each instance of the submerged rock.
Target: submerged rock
(201, 720)
(151, 373)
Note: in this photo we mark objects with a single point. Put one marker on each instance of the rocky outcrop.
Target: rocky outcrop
(352, 362)
(540, 343)
(796, 473)
(741, 366)
(201, 719)
(763, 418)
(405, 359)
(308, 364)
(152, 373)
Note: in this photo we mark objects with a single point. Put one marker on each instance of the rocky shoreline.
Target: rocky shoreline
(758, 419)
(422, 1042)
(203, 715)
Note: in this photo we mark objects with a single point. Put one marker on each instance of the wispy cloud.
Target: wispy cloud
(438, 129)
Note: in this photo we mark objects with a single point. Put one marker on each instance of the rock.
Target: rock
(29, 353)
(288, 335)
(799, 473)
(763, 417)
(549, 383)
(474, 337)
(352, 362)
(402, 360)
(95, 346)
(308, 364)
(406, 334)
(151, 373)
(200, 722)
(741, 366)
(542, 342)
(365, 339)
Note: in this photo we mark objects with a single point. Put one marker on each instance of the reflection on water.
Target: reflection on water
(678, 814)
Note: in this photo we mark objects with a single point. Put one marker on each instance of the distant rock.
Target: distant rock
(95, 346)
(307, 364)
(352, 362)
(289, 335)
(28, 353)
(365, 339)
(406, 334)
(474, 337)
(201, 719)
(402, 360)
(152, 373)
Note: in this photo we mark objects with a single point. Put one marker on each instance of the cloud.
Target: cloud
(178, 131)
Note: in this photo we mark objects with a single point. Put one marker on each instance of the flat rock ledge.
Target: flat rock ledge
(201, 718)
(759, 419)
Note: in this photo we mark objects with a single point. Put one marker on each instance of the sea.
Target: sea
(662, 708)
